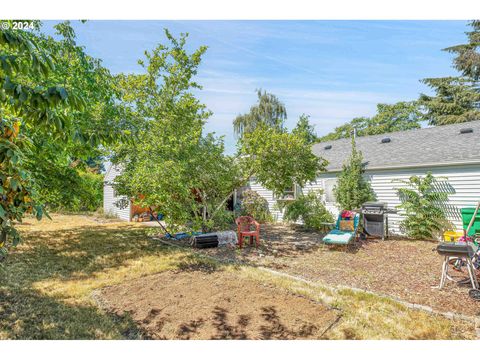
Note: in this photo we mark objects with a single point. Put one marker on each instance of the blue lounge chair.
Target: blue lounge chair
(339, 237)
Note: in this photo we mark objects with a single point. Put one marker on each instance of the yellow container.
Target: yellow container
(452, 235)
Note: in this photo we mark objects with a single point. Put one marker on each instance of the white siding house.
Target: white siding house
(450, 152)
(111, 202)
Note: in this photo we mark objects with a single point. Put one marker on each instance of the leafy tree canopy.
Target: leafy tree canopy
(269, 111)
(183, 172)
(278, 160)
(305, 130)
(390, 117)
(57, 107)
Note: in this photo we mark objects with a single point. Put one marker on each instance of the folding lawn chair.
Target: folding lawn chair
(342, 237)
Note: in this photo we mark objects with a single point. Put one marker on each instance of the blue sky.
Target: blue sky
(331, 70)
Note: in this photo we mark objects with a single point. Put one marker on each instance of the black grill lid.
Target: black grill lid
(373, 204)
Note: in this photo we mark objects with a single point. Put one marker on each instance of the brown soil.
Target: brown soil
(400, 268)
(209, 304)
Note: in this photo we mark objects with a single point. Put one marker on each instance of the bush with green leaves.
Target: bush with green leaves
(423, 202)
(255, 206)
(223, 220)
(352, 189)
(83, 193)
(308, 208)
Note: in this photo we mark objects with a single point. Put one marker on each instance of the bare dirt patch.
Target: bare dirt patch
(209, 304)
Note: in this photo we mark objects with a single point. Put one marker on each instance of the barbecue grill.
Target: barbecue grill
(375, 218)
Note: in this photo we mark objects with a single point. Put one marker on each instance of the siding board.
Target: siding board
(464, 180)
(109, 198)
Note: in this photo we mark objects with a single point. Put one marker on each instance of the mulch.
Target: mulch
(406, 269)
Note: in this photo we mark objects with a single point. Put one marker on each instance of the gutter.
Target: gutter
(409, 166)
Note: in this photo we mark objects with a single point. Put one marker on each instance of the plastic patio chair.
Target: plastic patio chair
(342, 237)
(248, 227)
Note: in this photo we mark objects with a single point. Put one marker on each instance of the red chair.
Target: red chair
(245, 225)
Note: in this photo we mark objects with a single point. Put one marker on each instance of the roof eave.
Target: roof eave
(410, 166)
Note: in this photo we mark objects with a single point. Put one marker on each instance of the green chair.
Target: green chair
(342, 237)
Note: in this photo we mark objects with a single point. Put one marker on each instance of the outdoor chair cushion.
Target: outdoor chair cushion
(347, 225)
(338, 237)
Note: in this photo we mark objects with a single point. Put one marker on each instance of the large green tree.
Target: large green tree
(56, 110)
(456, 99)
(268, 110)
(61, 168)
(389, 117)
(27, 102)
(180, 170)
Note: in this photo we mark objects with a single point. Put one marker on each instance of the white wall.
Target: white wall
(109, 198)
(465, 181)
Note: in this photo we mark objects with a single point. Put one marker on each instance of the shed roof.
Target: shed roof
(433, 146)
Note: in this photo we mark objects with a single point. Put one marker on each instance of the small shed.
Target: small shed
(113, 204)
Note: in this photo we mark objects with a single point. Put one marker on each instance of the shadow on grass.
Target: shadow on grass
(73, 253)
(80, 251)
(27, 315)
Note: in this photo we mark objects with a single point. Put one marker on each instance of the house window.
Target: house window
(289, 193)
(328, 186)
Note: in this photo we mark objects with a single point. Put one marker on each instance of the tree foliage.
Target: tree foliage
(279, 160)
(423, 203)
(59, 101)
(310, 209)
(180, 170)
(256, 206)
(305, 130)
(269, 111)
(172, 165)
(456, 99)
(25, 105)
(389, 117)
(352, 189)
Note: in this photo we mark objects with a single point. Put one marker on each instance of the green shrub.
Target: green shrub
(90, 194)
(223, 220)
(423, 203)
(255, 206)
(308, 208)
(84, 193)
(352, 189)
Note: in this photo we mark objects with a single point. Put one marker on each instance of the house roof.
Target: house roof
(433, 146)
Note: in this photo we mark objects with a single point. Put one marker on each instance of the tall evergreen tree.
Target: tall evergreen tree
(457, 99)
(352, 189)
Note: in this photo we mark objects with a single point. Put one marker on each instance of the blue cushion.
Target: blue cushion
(338, 237)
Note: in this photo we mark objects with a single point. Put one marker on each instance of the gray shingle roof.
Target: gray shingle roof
(420, 147)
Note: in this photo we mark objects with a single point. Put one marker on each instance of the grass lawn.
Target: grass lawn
(78, 277)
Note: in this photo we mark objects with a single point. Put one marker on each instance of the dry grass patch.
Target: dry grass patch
(47, 284)
(47, 281)
(368, 316)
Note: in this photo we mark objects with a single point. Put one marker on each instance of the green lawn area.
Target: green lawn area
(50, 285)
